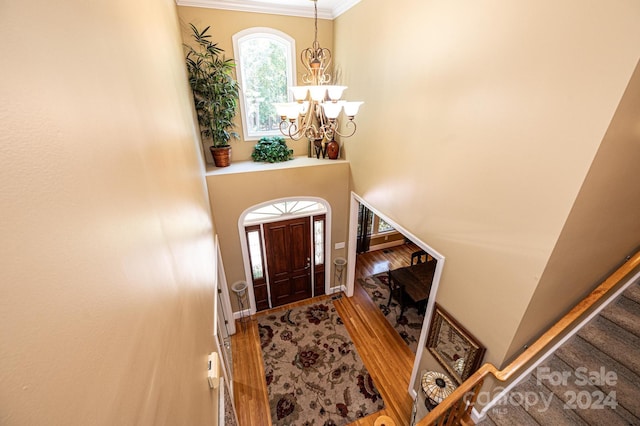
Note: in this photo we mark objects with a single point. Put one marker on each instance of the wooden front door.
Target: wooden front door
(288, 252)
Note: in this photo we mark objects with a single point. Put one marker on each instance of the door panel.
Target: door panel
(319, 282)
(288, 252)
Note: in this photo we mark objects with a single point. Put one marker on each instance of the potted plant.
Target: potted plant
(272, 149)
(215, 93)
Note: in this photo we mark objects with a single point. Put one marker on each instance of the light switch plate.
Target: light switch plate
(212, 373)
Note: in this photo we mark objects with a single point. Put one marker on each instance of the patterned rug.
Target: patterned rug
(314, 374)
(409, 325)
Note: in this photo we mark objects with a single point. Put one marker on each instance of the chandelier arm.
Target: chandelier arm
(349, 124)
(320, 75)
(290, 130)
(306, 56)
(312, 132)
(327, 131)
(320, 115)
(296, 136)
(325, 77)
(307, 125)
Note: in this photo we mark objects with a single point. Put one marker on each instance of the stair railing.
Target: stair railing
(456, 408)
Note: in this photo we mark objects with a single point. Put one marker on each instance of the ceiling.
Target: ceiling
(327, 9)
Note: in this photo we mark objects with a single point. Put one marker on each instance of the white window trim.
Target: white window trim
(376, 225)
(262, 32)
(288, 214)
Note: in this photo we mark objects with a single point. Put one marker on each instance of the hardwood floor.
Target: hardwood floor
(383, 352)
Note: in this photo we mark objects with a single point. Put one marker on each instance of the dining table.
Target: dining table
(411, 284)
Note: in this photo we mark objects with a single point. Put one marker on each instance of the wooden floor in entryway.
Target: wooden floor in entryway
(383, 352)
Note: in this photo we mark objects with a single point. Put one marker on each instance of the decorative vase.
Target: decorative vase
(318, 148)
(333, 149)
(221, 156)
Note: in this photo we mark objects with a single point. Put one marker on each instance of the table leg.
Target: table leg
(390, 288)
(403, 303)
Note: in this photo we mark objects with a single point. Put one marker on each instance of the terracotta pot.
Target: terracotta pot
(221, 156)
(333, 149)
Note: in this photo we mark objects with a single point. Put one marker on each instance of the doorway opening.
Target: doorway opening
(284, 247)
(355, 210)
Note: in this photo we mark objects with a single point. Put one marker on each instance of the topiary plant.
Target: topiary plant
(272, 149)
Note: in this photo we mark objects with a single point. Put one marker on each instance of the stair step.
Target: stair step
(576, 395)
(486, 422)
(601, 370)
(579, 353)
(633, 292)
(509, 415)
(614, 341)
(625, 313)
(545, 407)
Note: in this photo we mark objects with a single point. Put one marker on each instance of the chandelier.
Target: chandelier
(317, 106)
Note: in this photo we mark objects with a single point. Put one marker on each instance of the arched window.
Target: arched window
(265, 62)
(283, 210)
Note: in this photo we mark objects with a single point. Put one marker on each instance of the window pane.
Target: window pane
(303, 206)
(264, 69)
(255, 254)
(290, 208)
(318, 241)
(384, 226)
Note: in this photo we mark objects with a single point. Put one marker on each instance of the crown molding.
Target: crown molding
(272, 7)
(343, 6)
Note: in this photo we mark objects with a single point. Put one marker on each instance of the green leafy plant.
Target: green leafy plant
(272, 149)
(215, 91)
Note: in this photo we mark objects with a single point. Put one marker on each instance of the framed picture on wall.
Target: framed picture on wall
(453, 346)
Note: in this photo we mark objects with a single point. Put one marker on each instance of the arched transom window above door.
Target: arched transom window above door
(284, 209)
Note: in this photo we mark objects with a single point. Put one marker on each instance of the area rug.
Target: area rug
(409, 325)
(314, 374)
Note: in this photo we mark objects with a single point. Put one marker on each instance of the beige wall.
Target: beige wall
(603, 226)
(107, 283)
(480, 123)
(225, 23)
(232, 194)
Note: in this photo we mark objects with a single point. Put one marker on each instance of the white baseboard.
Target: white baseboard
(386, 245)
(338, 289)
(242, 314)
(476, 416)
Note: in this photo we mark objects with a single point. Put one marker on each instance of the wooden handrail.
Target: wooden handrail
(463, 397)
